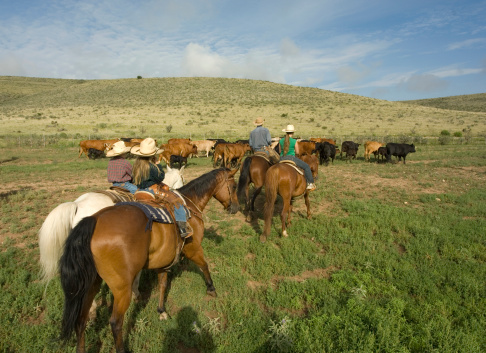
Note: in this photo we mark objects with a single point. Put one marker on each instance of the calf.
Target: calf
(381, 153)
(399, 150)
(326, 151)
(93, 153)
(349, 145)
(371, 147)
(177, 159)
(351, 152)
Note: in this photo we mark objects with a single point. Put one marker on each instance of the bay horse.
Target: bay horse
(62, 219)
(253, 170)
(115, 244)
(284, 180)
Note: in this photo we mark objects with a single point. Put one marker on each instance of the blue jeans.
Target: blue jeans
(127, 185)
(301, 164)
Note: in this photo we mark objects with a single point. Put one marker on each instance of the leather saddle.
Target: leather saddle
(293, 165)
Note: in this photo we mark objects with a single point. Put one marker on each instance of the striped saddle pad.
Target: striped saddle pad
(155, 214)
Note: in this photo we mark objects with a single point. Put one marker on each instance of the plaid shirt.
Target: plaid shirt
(119, 170)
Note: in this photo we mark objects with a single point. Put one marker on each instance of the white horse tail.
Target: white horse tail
(52, 236)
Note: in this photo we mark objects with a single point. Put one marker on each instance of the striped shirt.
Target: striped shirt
(119, 170)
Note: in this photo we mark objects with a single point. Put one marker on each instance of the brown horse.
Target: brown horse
(284, 180)
(115, 244)
(253, 171)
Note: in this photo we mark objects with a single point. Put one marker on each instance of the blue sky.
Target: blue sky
(385, 49)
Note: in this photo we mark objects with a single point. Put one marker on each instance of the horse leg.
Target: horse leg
(162, 275)
(253, 198)
(284, 215)
(307, 204)
(135, 291)
(197, 256)
(121, 303)
(84, 315)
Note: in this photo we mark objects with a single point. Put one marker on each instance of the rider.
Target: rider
(119, 171)
(147, 173)
(288, 149)
(260, 137)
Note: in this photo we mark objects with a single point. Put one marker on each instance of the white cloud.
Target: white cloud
(467, 43)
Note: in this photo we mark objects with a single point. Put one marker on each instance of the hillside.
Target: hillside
(468, 103)
(208, 107)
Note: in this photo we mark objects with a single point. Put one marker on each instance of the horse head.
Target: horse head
(173, 177)
(226, 193)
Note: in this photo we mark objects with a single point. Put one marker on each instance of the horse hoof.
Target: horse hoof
(212, 293)
(164, 316)
(284, 234)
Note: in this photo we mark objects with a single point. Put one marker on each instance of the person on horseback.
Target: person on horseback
(260, 137)
(148, 176)
(288, 149)
(119, 171)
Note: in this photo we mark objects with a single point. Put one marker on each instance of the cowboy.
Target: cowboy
(146, 174)
(288, 149)
(119, 171)
(260, 137)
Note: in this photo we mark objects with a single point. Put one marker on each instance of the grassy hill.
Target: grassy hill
(469, 103)
(208, 107)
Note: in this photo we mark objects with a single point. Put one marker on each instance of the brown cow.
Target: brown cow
(371, 147)
(306, 147)
(219, 153)
(322, 140)
(234, 151)
(173, 141)
(204, 145)
(100, 145)
(177, 149)
(313, 163)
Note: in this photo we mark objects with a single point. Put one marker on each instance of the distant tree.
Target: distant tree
(139, 77)
(445, 133)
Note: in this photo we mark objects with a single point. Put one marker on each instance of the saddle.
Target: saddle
(293, 165)
(118, 194)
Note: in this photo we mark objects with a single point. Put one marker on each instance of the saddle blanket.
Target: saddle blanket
(155, 214)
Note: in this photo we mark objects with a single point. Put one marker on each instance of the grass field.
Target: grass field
(393, 260)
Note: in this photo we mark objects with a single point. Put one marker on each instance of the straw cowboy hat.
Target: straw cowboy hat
(147, 148)
(118, 149)
(258, 121)
(289, 128)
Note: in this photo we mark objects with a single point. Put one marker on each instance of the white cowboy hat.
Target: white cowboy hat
(147, 148)
(117, 149)
(258, 121)
(289, 128)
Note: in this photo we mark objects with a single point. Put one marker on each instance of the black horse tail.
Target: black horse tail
(271, 189)
(78, 273)
(244, 180)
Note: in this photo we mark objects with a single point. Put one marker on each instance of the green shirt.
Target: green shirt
(291, 146)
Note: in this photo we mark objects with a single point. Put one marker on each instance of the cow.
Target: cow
(94, 153)
(235, 151)
(346, 145)
(178, 149)
(399, 150)
(313, 163)
(219, 152)
(371, 147)
(177, 159)
(322, 139)
(351, 152)
(100, 145)
(381, 153)
(204, 146)
(306, 147)
(326, 151)
(174, 141)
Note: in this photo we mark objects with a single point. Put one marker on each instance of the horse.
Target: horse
(64, 217)
(284, 180)
(115, 244)
(253, 171)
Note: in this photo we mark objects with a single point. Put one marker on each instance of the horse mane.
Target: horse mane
(199, 186)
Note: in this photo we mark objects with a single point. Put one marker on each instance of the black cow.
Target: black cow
(93, 153)
(326, 151)
(177, 159)
(351, 152)
(347, 145)
(381, 153)
(399, 150)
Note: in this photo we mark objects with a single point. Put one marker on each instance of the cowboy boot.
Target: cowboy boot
(185, 229)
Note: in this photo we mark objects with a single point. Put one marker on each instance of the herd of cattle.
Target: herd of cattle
(313, 151)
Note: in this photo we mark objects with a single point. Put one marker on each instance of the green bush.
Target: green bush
(457, 134)
(445, 133)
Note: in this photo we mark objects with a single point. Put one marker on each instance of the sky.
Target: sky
(384, 49)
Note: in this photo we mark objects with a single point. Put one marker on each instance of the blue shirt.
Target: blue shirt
(259, 138)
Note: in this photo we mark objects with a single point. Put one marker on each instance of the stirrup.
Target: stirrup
(185, 229)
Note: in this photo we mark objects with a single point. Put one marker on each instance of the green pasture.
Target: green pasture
(393, 260)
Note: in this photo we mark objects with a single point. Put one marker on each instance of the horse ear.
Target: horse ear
(180, 170)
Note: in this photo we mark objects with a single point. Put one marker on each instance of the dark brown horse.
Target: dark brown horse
(114, 245)
(284, 180)
(253, 170)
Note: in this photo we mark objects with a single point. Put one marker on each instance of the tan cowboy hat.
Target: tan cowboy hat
(117, 149)
(289, 128)
(147, 148)
(258, 121)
